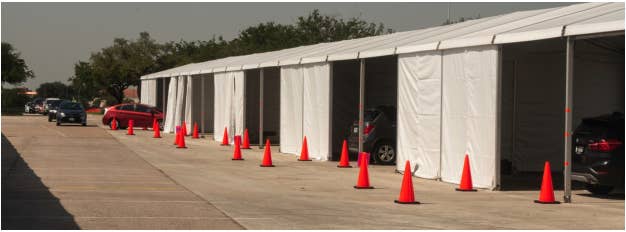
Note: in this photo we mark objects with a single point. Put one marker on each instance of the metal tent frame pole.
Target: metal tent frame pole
(569, 100)
(361, 102)
(261, 80)
(202, 103)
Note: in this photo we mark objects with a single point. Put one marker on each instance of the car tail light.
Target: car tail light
(368, 128)
(604, 145)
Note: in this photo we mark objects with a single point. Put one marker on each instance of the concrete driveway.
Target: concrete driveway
(292, 195)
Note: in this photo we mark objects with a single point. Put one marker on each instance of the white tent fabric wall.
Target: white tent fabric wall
(171, 106)
(180, 101)
(291, 81)
(238, 104)
(188, 105)
(469, 114)
(316, 109)
(419, 113)
(223, 94)
(150, 92)
(229, 104)
(305, 109)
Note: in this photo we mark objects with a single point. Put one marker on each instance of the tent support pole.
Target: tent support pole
(569, 99)
(164, 104)
(361, 102)
(261, 80)
(202, 102)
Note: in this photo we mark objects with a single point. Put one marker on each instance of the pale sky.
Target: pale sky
(52, 37)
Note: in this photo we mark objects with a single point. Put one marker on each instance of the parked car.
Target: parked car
(142, 115)
(379, 135)
(598, 153)
(71, 112)
(34, 106)
(46, 104)
(52, 109)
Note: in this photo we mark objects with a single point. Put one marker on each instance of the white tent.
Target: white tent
(449, 81)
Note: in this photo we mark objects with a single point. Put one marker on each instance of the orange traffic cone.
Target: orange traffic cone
(267, 155)
(181, 140)
(406, 192)
(246, 140)
(225, 137)
(364, 180)
(344, 161)
(237, 152)
(130, 128)
(156, 129)
(114, 124)
(195, 131)
(184, 129)
(466, 178)
(546, 196)
(304, 154)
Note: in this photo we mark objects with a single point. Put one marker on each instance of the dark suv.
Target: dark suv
(598, 153)
(379, 135)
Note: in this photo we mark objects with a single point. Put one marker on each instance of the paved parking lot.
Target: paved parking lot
(109, 180)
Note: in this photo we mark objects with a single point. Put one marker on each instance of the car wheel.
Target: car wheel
(598, 189)
(58, 123)
(384, 153)
(49, 119)
(84, 124)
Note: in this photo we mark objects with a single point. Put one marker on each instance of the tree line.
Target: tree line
(115, 68)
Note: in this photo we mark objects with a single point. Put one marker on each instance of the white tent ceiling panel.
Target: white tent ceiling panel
(345, 56)
(417, 48)
(268, 64)
(419, 113)
(529, 36)
(289, 62)
(469, 114)
(377, 53)
(580, 29)
(466, 42)
(312, 60)
(250, 66)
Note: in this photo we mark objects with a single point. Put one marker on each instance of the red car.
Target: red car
(141, 114)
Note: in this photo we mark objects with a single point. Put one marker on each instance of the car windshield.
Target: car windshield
(71, 106)
(54, 102)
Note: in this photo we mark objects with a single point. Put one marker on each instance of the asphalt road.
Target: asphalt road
(102, 179)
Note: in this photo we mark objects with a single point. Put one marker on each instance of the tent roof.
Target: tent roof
(577, 19)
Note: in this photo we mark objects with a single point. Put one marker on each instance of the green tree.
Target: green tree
(14, 69)
(83, 83)
(54, 89)
(119, 66)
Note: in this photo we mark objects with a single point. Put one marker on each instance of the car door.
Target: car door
(144, 115)
(125, 113)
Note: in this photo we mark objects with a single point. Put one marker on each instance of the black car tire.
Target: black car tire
(598, 189)
(384, 153)
(49, 118)
(84, 124)
(58, 124)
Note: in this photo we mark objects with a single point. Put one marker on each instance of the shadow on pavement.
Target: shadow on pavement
(26, 202)
(525, 181)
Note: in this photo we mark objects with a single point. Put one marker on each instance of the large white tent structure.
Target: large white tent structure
(449, 87)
